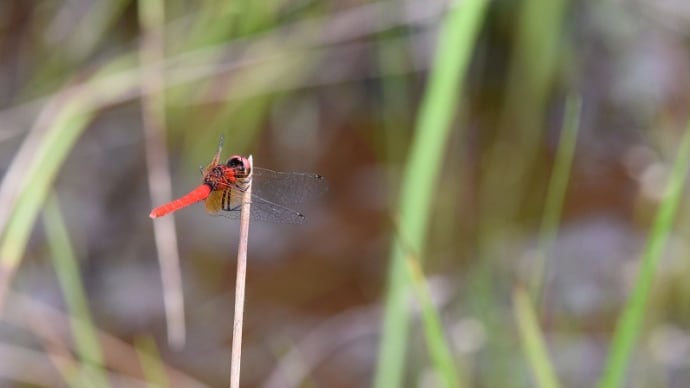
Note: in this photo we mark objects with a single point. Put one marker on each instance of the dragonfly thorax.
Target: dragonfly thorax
(234, 173)
(219, 177)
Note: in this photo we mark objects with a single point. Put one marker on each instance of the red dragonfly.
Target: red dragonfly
(222, 186)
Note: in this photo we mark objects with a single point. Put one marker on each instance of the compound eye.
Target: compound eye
(236, 162)
(240, 165)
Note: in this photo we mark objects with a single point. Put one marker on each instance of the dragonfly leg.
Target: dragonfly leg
(241, 188)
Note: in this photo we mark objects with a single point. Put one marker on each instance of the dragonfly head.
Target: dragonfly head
(240, 165)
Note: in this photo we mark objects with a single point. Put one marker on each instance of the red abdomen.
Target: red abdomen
(196, 195)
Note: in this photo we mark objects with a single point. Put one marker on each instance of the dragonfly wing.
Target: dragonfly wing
(228, 203)
(264, 210)
(287, 187)
(214, 202)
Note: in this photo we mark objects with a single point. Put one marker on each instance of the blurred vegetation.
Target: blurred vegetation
(506, 203)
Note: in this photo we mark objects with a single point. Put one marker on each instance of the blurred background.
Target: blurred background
(553, 147)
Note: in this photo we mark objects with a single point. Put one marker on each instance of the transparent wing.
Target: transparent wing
(287, 187)
(229, 203)
(263, 210)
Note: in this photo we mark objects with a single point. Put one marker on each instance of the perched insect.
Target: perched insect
(222, 186)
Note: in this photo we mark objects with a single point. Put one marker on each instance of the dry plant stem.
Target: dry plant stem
(240, 285)
(153, 115)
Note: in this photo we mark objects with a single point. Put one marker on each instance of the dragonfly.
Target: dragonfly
(223, 185)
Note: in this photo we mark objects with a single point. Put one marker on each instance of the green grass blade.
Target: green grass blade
(49, 156)
(456, 42)
(67, 269)
(151, 363)
(533, 341)
(555, 195)
(441, 354)
(630, 322)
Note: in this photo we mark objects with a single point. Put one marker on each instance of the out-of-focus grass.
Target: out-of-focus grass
(456, 42)
(527, 318)
(151, 52)
(533, 343)
(509, 160)
(86, 340)
(555, 195)
(115, 82)
(26, 184)
(447, 370)
(532, 70)
(229, 65)
(90, 32)
(36, 184)
(151, 363)
(631, 320)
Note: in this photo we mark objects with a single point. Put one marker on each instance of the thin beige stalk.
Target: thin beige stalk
(240, 284)
(152, 19)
